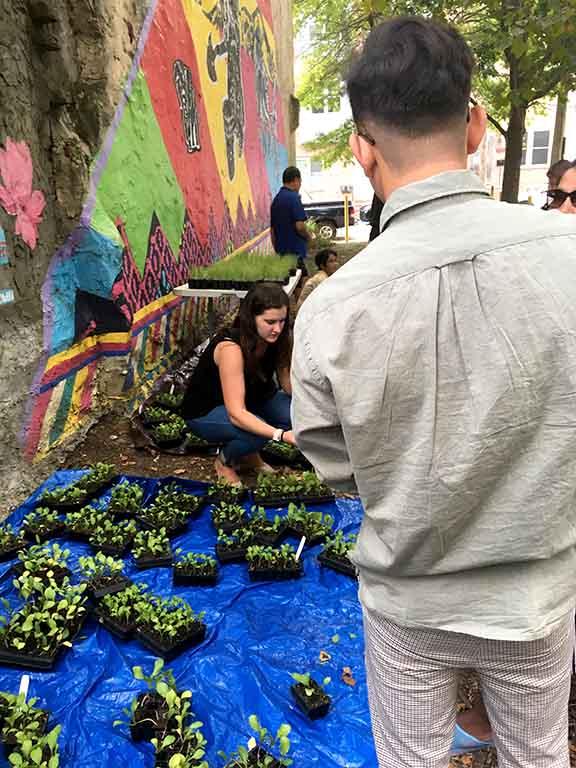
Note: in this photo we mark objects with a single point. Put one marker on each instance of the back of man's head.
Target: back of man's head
(413, 77)
(290, 175)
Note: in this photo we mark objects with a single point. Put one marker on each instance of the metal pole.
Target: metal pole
(346, 217)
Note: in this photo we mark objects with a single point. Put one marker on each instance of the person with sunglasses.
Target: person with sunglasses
(561, 196)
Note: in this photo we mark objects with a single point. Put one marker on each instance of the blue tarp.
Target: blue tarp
(258, 633)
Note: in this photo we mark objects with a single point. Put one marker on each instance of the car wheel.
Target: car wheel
(326, 230)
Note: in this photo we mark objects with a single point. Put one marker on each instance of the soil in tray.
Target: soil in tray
(267, 538)
(150, 717)
(24, 660)
(60, 572)
(168, 649)
(153, 561)
(44, 532)
(121, 631)
(175, 529)
(193, 578)
(319, 538)
(276, 574)
(107, 585)
(339, 564)
(228, 526)
(10, 740)
(11, 552)
(314, 706)
(231, 555)
(283, 501)
(255, 756)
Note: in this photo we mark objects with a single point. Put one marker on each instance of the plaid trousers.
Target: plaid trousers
(413, 677)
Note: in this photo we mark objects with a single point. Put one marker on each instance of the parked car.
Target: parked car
(329, 216)
(365, 212)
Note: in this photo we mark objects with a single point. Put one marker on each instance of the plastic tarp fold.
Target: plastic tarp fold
(258, 633)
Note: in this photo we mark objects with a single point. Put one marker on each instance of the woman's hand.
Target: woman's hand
(288, 437)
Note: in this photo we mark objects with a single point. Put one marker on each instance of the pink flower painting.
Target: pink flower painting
(17, 196)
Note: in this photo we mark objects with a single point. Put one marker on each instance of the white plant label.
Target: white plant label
(172, 389)
(252, 743)
(24, 685)
(300, 548)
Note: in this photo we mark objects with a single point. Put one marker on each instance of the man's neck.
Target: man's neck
(420, 173)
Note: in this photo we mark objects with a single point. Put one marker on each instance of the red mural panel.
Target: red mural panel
(170, 42)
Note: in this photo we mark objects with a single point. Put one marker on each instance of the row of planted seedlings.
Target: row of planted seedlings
(24, 733)
(163, 716)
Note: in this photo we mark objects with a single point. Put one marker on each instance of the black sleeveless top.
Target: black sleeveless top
(204, 391)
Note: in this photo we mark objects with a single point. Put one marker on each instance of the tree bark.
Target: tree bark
(559, 125)
(513, 157)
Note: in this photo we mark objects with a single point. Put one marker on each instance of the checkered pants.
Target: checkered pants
(412, 685)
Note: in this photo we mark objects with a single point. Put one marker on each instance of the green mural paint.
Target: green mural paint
(63, 408)
(138, 179)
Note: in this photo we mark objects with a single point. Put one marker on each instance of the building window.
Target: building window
(315, 166)
(524, 148)
(317, 108)
(540, 147)
(333, 103)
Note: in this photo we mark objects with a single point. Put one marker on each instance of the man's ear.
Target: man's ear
(476, 128)
(364, 153)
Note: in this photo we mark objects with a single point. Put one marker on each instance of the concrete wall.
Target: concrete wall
(150, 137)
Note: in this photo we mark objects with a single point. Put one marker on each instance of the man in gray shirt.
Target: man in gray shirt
(445, 393)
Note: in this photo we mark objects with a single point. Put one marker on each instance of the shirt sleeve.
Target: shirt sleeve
(298, 211)
(315, 420)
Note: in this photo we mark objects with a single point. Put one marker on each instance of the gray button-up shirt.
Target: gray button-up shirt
(436, 373)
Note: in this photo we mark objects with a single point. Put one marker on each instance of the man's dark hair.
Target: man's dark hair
(557, 170)
(413, 75)
(290, 174)
(322, 257)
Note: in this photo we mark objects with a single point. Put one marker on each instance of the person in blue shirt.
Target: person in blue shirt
(288, 219)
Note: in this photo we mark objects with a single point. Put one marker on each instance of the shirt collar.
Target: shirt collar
(445, 184)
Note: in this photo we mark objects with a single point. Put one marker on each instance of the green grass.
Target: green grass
(247, 267)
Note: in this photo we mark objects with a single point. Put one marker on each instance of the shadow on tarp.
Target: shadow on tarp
(257, 635)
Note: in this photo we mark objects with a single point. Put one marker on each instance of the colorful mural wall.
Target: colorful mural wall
(186, 175)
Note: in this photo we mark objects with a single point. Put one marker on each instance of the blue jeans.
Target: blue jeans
(217, 427)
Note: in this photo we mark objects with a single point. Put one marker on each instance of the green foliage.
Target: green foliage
(247, 267)
(170, 430)
(85, 520)
(9, 539)
(271, 557)
(169, 618)
(266, 741)
(35, 751)
(154, 415)
(127, 497)
(170, 399)
(309, 524)
(41, 565)
(122, 605)
(76, 493)
(196, 562)
(290, 484)
(340, 545)
(151, 543)
(113, 534)
(41, 520)
(100, 566)
(224, 491)
(231, 513)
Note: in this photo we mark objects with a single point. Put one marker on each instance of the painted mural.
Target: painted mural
(186, 175)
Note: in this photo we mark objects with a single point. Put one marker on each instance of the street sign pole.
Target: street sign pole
(346, 190)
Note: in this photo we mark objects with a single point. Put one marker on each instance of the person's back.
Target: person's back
(288, 218)
(445, 393)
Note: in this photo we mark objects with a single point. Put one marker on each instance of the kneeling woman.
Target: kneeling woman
(232, 397)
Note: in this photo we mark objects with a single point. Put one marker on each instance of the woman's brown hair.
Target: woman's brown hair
(260, 297)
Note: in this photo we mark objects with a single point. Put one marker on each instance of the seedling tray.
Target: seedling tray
(76, 536)
(59, 573)
(341, 565)
(283, 501)
(120, 583)
(12, 552)
(110, 549)
(276, 574)
(255, 755)
(69, 506)
(121, 631)
(176, 530)
(226, 555)
(271, 539)
(143, 729)
(319, 538)
(227, 526)
(46, 535)
(182, 579)
(243, 495)
(298, 461)
(174, 443)
(10, 740)
(170, 651)
(315, 706)
(153, 561)
(40, 663)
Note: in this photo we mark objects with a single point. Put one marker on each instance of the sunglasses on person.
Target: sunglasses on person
(557, 197)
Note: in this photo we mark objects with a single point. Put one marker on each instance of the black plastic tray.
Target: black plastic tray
(168, 652)
(193, 579)
(231, 555)
(276, 574)
(153, 562)
(340, 565)
(283, 501)
(53, 533)
(254, 756)
(228, 526)
(121, 583)
(121, 631)
(40, 663)
(10, 554)
(309, 704)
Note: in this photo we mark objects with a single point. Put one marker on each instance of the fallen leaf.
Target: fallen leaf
(324, 657)
(335, 639)
(347, 677)
(179, 471)
(113, 437)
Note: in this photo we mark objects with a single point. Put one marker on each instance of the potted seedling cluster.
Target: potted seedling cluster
(281, 489)
(195, 569)
(76, 495)
(33, 636)
(117, 611)
(47, 563)
(81, 523)
(310, 696)
(335, 553)
(267, 532)
(221, 491)
(269, 751)
(42, 524)
(23, 733)
(126, 499)
(232, 547)
(153, 415)
(103, 575)
(226, 516)
(168, 626)
(151, 549)
(172, 509)
(170, 400)
(10, 542)
(283, 454)
(241, 271)
(113, 538)
(170, 433)
(316, 526)
(273, 564)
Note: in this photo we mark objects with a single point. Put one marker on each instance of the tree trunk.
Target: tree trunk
(559, 125)
(513, 157)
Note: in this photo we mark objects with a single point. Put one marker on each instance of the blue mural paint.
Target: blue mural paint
(6, 295)
(3, 249)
